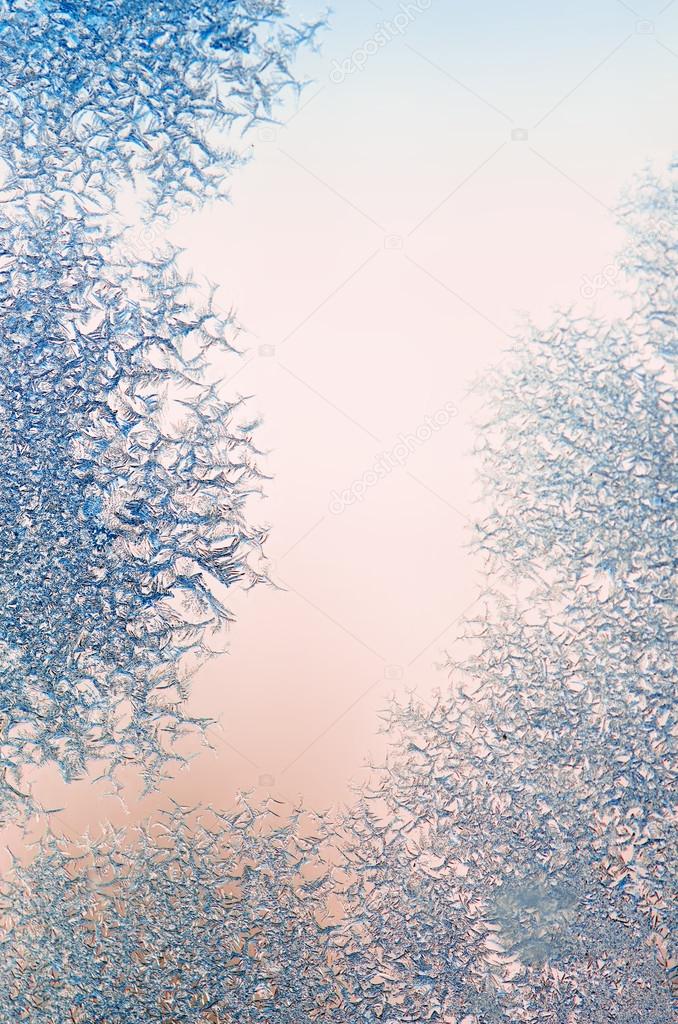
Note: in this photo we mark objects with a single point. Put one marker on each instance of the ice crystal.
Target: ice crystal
(124, 464)
(125, 475)
(516, 860)
(196, 917)
(102, 90)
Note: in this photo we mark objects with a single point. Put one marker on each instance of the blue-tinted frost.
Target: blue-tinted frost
(123, 487)
(514, 861)
(124, 462)
(199, 917)
(102, 90)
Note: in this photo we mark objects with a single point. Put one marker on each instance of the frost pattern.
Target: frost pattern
(99, 91)
(198, 917)
(123, 494)
(125, 466)
(514, 859)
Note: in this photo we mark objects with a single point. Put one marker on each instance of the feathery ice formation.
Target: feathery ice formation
(100, 91)
(124, 467)
(123, 488)
(514, 860)
(200, 916)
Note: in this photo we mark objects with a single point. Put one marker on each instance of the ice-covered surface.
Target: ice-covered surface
(124, 478)
(96, 92)
(520, 861)
(200, 916)
(514, 861)
(124, 464)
